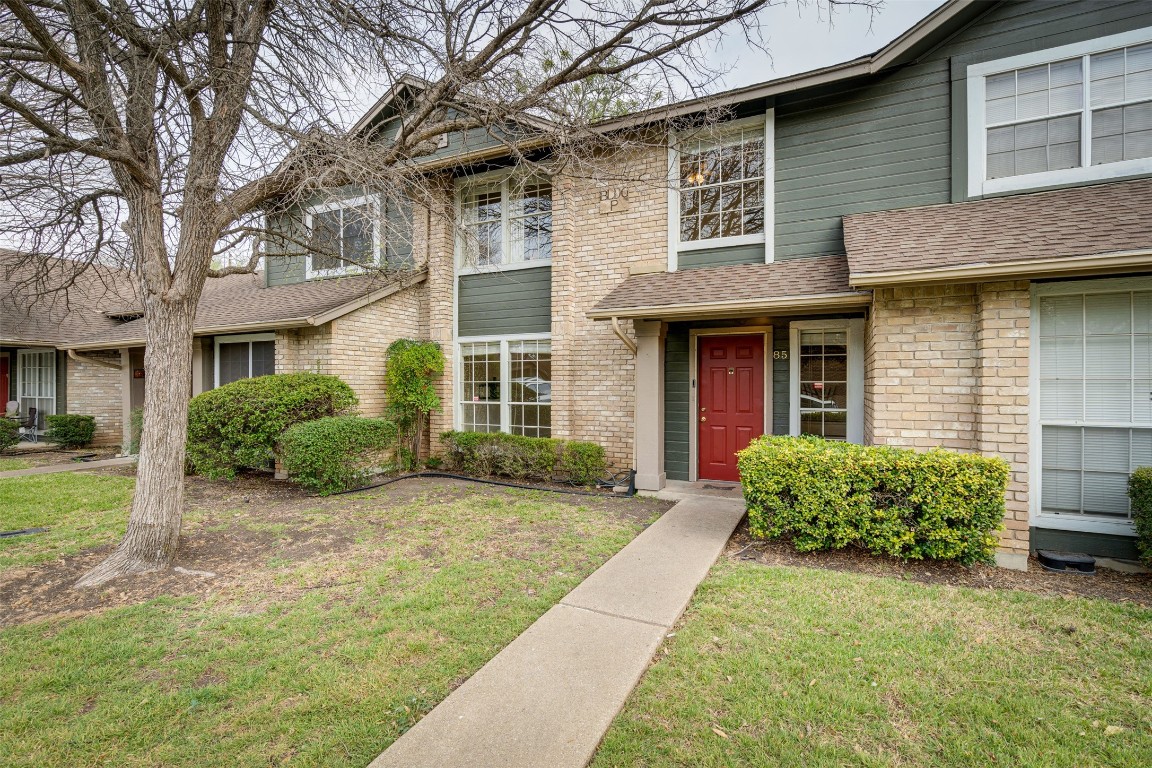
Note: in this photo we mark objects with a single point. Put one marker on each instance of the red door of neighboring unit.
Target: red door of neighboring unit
(731, 401)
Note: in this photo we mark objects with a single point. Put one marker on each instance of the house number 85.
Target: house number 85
(779, 354)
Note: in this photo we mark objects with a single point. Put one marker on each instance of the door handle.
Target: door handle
(703, 418)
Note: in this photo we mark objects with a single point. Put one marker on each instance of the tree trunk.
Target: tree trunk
(157, 505)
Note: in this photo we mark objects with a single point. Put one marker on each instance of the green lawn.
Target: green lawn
(81, 511)
(791, 666)
(9, 465)
(316, 660)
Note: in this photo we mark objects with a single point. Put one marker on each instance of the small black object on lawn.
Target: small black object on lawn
(1067, 562)
(21, 532)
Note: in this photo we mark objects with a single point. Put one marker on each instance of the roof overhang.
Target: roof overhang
(717, 310)
(275, 325)
(1072, 266)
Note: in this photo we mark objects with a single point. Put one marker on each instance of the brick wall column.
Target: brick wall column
(649, 399)
(1004, 316)
(436, 244)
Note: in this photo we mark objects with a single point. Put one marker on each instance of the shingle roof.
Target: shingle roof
(1067, 223)
(50, 301)
(243, 301)
(750, 286)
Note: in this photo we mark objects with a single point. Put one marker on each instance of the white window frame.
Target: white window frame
(1036, 514)
(506, 177)
(979, 185)
(505, 375)
(855, 406)
(354, 202)
(767, 238)
(21, 356)
(239, 338)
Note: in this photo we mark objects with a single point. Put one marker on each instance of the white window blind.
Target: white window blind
(36, 382)
(1095, 399)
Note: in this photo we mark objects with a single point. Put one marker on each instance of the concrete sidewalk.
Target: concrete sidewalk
(75, 466)
(548, 698)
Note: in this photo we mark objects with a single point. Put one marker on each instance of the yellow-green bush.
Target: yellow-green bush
(890, 501)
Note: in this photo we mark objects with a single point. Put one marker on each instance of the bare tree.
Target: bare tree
(158, 134)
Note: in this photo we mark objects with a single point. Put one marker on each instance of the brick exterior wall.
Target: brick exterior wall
(95, 390)
(948, 366)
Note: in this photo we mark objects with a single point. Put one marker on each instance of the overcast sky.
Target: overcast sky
(804, 37)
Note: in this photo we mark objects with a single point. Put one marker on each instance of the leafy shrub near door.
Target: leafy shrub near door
(890, 501)
(524, 458)
(1140, 492)
(9, 433)
(336, 453)
(70, 430)
(238, 425)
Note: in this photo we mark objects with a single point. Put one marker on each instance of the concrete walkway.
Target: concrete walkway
(74, 466)
(548, 698)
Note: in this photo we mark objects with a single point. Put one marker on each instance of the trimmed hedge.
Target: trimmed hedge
(238, 425)
(543, 459)
(1140, 491)
(70, 430)
(890, 501)
(336, 453)
(9, 433)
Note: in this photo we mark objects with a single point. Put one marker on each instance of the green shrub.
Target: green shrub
(891, 501)
(135, 429)
(1140, 491)
(336, 453)
(582, 463)
(524, 458)
(410, 373)
(9, 433)
(238, 425)
(70, 430)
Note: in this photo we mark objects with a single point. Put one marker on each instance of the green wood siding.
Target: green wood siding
(677, 386)
(1095, 544)
(888, 142)
(721, 257)
(504, 303)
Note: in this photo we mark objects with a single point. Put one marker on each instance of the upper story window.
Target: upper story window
(721, 182)
(343, 237)
(1076, 113)
(348, 236)
(506, 222)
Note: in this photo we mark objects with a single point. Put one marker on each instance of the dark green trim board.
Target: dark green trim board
(1095, 544)
(899, 139)
(781, 392)
(504, 303)
(61, 381)
(721, 257)
(209, 362)
(676, 398)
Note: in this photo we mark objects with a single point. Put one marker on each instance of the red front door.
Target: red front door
(731, 401)
(3, 381)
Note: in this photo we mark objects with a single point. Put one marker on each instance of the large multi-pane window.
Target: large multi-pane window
(721, 185)
(1094, 376)
(1084, 113)
(506, 386)
(506, 221)
(244, 357)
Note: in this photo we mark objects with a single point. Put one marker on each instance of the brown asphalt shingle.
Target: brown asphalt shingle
(244, 300)
(793, 278)
(50, 301)
(1083, 221)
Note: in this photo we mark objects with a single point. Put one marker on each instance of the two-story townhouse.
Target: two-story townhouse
(945, 243)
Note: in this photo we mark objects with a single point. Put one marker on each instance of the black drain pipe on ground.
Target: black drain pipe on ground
(503, 484)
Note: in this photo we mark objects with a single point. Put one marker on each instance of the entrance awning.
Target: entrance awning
(746, 290)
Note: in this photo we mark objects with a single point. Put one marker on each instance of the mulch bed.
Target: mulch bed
(1105, 584)
(46, 457)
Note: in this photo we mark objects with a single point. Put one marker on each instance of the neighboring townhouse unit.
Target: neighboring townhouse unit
(946, 243)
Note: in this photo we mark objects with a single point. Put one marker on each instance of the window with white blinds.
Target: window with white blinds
(1094, 377)
(1079, 112)
(36, 382)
